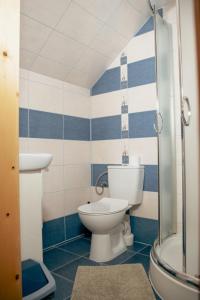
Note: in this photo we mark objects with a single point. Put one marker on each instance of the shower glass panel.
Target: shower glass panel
(165, 126)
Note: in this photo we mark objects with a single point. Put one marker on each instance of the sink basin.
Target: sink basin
(34, 161)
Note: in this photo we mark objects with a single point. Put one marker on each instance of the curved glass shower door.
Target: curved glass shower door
(165, 127)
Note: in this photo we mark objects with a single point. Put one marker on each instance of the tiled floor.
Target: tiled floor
(64, 260)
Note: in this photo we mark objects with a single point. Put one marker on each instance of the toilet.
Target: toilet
(104, 218)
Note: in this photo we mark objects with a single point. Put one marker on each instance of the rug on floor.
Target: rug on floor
(128, 281)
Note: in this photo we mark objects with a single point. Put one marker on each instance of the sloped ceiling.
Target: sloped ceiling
(76, 40)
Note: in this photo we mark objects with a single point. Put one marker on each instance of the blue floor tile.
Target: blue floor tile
(55, 258)
(69, 270)
(137, 247)
(146, 251)
(139, 259)
(121, 258)
(80, 246)
(63, 289)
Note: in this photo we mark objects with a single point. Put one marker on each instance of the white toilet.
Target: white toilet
(104, 218)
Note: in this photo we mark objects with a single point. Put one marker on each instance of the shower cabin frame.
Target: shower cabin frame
(183, 277)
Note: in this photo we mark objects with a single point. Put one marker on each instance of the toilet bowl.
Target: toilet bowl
(103, 218)
(106, 218)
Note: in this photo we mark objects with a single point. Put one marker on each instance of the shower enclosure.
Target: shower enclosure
(174, 263)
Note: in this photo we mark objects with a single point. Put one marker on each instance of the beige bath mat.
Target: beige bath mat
(121, 282)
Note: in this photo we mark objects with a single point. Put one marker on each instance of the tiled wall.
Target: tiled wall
(55, 118)
(108, 142)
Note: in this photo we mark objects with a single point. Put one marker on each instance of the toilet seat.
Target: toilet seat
(105, 206)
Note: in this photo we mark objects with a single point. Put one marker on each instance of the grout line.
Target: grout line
(69, 262)
(64, 242)
(63, 277)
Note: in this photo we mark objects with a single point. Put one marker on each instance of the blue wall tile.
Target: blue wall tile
(53, 232)
(96, 170)
(141, 124)
(23, 122)
(76, 128)
(141, 72)
(151, 178)
(106, 128)
(109, 82)
(148, 26)
(45, 125)
(144, 230)
(73, 226)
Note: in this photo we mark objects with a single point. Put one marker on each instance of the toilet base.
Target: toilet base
(105, 247)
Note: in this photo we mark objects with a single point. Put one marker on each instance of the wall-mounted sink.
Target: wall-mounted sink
(34, 161)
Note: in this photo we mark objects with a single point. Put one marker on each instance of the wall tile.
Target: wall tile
(145, 148)
(148, 26)
(23, 122)
(76, 152)
(23, 145)
(108, 104)
(76, 128)
(144, 230)
(23, 93)
(45, 97)
(142, 98)
(53, 232)
(109, 82)
(53, 205)
(73, 226)
(76, 104)
(76, 176)
(55, 147)
(148, 208)
(141, 72)
(137, 47)
(151, 178)
(106, 128)
(53, 179)
(108, 151)
(73, 198)
(141, 124)
(96, 170)
(45, 125)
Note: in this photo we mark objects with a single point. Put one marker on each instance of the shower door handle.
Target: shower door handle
(186, 121)
(155, 125)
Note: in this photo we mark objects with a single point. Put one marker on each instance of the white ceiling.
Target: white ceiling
(76, 40)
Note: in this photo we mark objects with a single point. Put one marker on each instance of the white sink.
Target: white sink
(34, 161)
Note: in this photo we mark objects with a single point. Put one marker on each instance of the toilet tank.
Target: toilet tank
(126, 182)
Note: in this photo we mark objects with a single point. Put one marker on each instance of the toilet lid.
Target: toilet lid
(104, 206)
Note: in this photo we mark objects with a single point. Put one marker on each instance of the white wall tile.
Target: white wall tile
(95, 197)
(23, 93)
(108, 104)
(137, 48)
(76, 176)
(107, 152)
(53, 179)
(45, 97)
(76, 152)
(148, 208)
(142, 98)
(74, 198)
(76, 104)
(53, 205)
(146, 148)
(33, 76)
(55, 147)
(23, 145)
